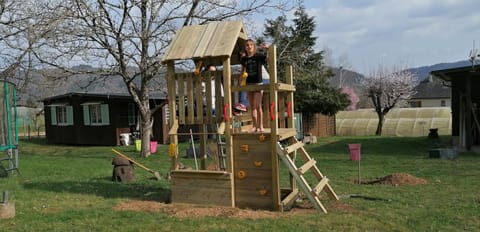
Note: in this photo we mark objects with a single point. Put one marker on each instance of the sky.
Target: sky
(362, 35)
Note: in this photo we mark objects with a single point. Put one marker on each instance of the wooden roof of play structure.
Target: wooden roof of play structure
(212, 42)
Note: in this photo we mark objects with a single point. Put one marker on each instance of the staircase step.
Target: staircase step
(304, 168)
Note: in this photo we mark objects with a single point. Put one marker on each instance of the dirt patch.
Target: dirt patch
(194, 211)
(397, 179)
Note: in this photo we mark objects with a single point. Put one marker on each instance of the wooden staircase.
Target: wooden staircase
(320, 183)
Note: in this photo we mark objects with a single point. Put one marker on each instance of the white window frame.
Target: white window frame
(95, 114)
(61, 115)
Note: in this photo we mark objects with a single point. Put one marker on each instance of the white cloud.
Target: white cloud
(389, 32)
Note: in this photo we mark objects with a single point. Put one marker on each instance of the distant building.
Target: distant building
(98, 118)
(432, 92)
(465, 82)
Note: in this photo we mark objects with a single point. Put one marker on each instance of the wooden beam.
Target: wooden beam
(305, 167)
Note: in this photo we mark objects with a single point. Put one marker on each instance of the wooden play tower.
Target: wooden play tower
(249, 170)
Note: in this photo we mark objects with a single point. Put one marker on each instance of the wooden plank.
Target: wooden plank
(285, 87)
(172, 108)
(286, 133)
(170, 55)
(219, 97)
(221, 128)
(293, 147)
(181, 98)
(253, 162)
(205, 39)
(254, 178)
(253, 200)
(201, 174)
(198, 92)
(305, 167)
(319, 187)
(215, 191)
(215, 41)
(190, 100)
(289, 200)
(228, 124)
(249, 88)
(207, 80)
(229, 33)
(272, 65)
(174, 128)
(190, 39)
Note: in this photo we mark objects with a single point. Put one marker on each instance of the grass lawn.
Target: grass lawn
(69, 188)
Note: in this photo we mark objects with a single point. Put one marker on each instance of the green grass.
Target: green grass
(68, 188)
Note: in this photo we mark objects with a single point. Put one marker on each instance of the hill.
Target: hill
(424, 71)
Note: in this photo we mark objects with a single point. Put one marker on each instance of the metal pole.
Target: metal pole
(193, 148)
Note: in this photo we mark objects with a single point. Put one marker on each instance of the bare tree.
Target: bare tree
(388, 88)
(127, 39)
(24, 26)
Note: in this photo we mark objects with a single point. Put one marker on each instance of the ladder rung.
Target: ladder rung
(304, 168)
(293, 147)
(285, 134)
(316, 191)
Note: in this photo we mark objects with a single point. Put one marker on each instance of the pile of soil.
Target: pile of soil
(397, 179)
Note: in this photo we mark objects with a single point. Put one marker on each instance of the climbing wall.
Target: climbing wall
(253, 171)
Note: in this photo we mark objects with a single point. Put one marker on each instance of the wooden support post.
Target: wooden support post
(273, 115)
(227, 115)
(290, 116)
(203, 146)
(173, 116)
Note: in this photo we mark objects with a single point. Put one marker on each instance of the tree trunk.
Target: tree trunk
(381, 119)
(145, 129)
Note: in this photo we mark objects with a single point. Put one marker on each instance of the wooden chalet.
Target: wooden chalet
(244, 170)
(465, 85)
(98, 118)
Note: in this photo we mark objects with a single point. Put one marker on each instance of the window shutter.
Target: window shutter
(86, 115)
(105, 114)
(53, 115)
(69, 115)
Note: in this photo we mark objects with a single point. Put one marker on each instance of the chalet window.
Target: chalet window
(415, 104)
(131, 114)
(61, 115)
(443, 103)
(95, 114)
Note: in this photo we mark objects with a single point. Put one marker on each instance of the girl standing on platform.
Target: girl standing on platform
(252, 62)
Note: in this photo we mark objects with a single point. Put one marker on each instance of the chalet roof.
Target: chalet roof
(214, 41)
(449, 74)
(154, 96)
(432, 88)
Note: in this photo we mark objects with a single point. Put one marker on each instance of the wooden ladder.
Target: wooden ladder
(311, 190)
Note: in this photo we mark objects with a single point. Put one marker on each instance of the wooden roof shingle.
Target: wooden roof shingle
(210, 41)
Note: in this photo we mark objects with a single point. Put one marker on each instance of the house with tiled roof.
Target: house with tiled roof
(432, 92)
